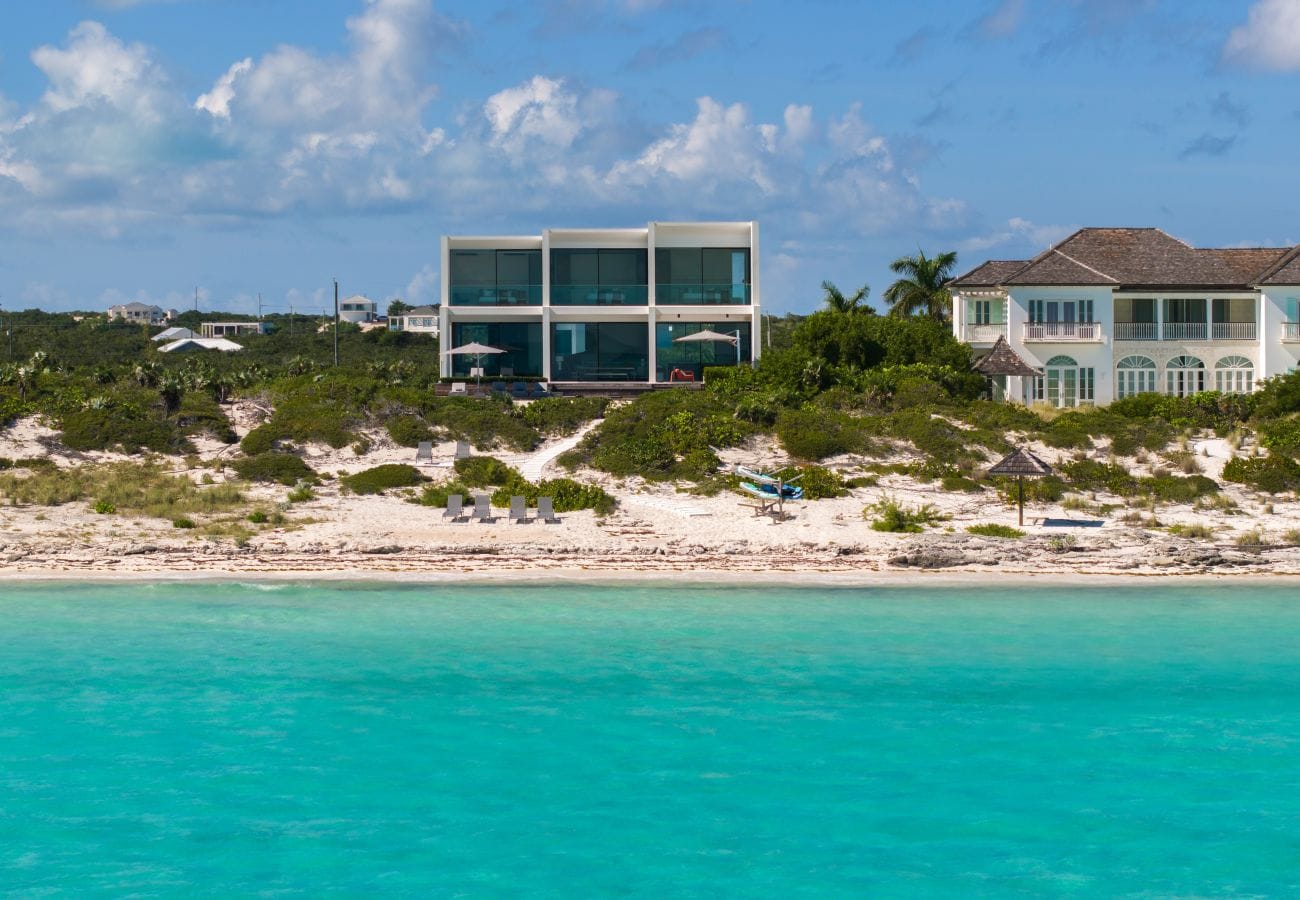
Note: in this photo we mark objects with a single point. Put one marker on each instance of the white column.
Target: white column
(546, 304)
(1160, 318)
(755, 297)
(444, 311)
(652, 315)
(652, 318)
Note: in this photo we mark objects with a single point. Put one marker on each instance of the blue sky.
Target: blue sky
(148, 147)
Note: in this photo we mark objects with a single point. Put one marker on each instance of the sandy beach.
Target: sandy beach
(656, 532)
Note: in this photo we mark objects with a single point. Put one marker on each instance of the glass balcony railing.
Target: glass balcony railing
(498, 295)
(701, 294)
(599, 294)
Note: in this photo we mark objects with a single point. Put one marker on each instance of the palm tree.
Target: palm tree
(923, 289)
(837, 302)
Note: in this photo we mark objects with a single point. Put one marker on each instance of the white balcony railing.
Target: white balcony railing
(1062, 331)
(1136, 331)
(985, 334)
(1291, 331)
(1184, 331)
(1234, 331)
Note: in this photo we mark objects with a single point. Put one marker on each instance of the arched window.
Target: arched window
(1184, 375)
(1134, 375)
(1234, 375)
(1064, 383)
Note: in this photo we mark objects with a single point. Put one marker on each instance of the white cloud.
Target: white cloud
(96, 67)
(423, 288)
(1270, 38)
(1019, 233)
(537, 110)
(217, 101)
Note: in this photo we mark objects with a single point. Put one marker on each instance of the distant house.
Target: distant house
(186, 345)
(420, 319)
(358, 309)
(140, 314)
(174, 333)
(225, 329)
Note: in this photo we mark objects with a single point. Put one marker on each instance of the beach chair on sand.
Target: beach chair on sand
(519, 510)
(483, 509)
(459, 388)
(546, 511)
(462, 450)
(424, 452)
(455, 507)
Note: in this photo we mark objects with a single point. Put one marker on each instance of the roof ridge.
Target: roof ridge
(1085, 266)
(1285, 260)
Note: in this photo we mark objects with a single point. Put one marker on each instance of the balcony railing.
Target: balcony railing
(1062, 331)
(1291, 331)
(1137, 331)
(1183, 331)
(599, 294)
(1234, 331)
(701, 294)
(985, 333)
(498, 295)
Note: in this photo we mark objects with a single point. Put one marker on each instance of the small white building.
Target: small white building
(186, 345)
(358, 309)
(420, 319)
(140, 314)
(175, 333)
(226, 329)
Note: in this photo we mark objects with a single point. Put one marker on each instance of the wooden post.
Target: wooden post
(1020, 492)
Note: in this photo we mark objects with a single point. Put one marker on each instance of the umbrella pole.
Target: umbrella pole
(1020, 492)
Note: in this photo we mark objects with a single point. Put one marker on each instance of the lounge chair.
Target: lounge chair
(497, 387)
(519, 510)
(424, 452)
(462, 450)
(546, 511)
(455, 507)
(483, 509)
(459, 387)
(519, 390)
(538, 389)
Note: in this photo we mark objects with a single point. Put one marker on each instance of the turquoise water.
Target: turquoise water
(220, 740)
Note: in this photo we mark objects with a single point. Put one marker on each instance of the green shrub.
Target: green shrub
(562, 415)
(566, 494)
(382, 478)
(104, 508)
(279, 468)
(892, 517)
(257, 517)
(1196, 530)
(408, 430)
(182, 522)
(199, 413)
(993, 529)
(129, 428)
(1048, 489)
(958, 482)
(436, 494)
(361, 446)
(1282, 436)
(1175, 489)
(1091, 475)
(814, 434)
(1271, 474)
(483, 421)
(484, 471)
(819, 482)
(260, 440)
(662, 435)
(301, 494)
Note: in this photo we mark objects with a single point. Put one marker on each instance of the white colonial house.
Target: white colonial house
(140, 314)
(419, 319)
(358, 309)
(603, 305)
(1111, 312)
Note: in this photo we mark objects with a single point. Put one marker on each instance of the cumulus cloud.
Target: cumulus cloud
(1018, 234)
(96, 67)
(1269, 39)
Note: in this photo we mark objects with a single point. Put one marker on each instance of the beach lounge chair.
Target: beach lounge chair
(519, 510)
(462, 450)
(519, 390)
(497, 387)
(424, 452)
(538, 390)
(459, 387)
(455, 507)
(546, 511)
(483, 509)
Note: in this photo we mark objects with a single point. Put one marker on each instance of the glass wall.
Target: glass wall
(521, 341)
(599, 277)
(600, 351)
(693, 356)
(701, 275)
(496, 278)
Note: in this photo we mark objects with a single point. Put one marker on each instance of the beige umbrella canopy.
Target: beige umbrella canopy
(476, 350)
(711, 336)
(1022, 464)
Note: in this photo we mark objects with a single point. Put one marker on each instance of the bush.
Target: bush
(278, 468)
(382, 478)
(1174, 489)
(129, 428)
(257, 517)
(408, 430)
(301, 494)
(892, 517)
(482, 421)
(993, 529)
(484, 471)
(104, 508)
(1271, 474)
(436, 494)
(1281, 436)
(182, 523)
(562, 415)
(814, 434)
(261, 439)
(199, 413)
(566, 494)
(1197, 531)
(662, 435)
(819, 482)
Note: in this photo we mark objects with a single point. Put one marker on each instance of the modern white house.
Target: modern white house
(227, 329)
(603, 305)
(140, 314)
(358, 309)
(419, 319)
(1111, 312)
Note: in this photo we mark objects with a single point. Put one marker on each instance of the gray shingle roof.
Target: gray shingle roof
(989, 274)
(1002, 360)
(1021, 462)
(1285, 271)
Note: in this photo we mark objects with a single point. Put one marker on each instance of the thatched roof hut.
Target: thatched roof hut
(1002, 360)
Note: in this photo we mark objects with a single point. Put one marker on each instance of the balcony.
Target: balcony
(1063, 332)
(498, 295)
(1291, 332)
(701, 294)
(1183, 331)
(1137, 331)
(1234, 331)
(599, 294)
(986, 333)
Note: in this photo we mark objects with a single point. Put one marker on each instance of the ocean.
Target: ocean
(649, 740)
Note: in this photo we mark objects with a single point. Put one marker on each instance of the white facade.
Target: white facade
(420, 319)
(603, 305)
(357, 309)
(226, 329)
(1098, 343)
(141, 313)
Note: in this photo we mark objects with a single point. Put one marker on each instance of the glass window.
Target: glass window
(702, 275)
(521, 341)
(1234, 375)
(623, 267)
(1185, 375)
(693, 356)
(519, 268)
(678, 265)
(600, 351)
(599, 277)
(1134, 375)
(477, 267)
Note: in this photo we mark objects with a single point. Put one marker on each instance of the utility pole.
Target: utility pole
(259, 306)
(336, 323)
(196, 299)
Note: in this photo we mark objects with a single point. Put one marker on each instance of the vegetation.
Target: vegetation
(1270, 474)
(993, 529)
(144, 489)
(277, 468)
(485, 471)
(892, 517)
(837, 301)
(383, 478)
(923, 289)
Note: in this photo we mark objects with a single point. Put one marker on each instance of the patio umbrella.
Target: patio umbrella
(712, 336)
(1022, 464)
(476, 350)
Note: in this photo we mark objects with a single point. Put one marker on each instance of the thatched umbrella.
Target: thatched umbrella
(999, 362)
(1022, 464)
